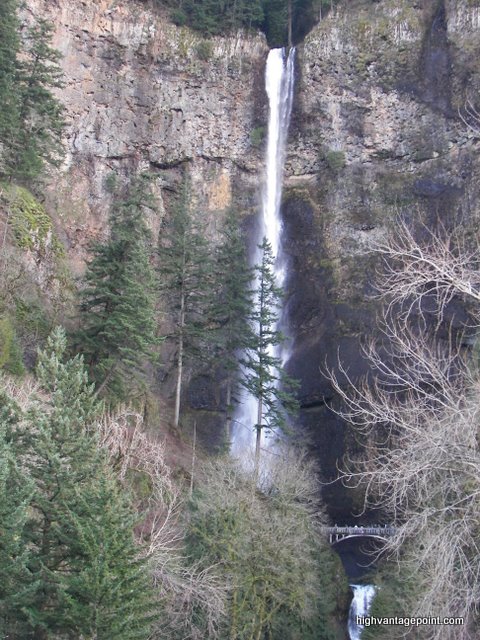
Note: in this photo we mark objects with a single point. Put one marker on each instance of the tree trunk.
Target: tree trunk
(106, 380)
(289, 23)
(258, 440)
(228, 419)
(194, 447)
(178, 391)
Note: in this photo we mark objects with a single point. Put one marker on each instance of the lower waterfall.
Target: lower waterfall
(363, 595)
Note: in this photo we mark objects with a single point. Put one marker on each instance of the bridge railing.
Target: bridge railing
(356, 530)
(337, 534)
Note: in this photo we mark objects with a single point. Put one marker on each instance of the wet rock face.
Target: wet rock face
(375, 134)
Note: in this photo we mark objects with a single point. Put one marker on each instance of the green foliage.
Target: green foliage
(32, 226)
(257, 136)
(73, 527)
(204, 50)
(335, 160)
(9, 46)
(117, 308)
(185, 270)
(31, 129)
(212, 17)
(266, 545)
(111, 182)
(395, 592)
(10, 351)
(16, 490)
(275, 23)
(178, 17)
(106, 576)
(265, 379)
(231, 305)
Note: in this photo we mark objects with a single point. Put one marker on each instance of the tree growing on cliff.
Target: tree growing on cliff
(117, 308)
(265, 378)
(31, 117)
(419, 412)
(186, 281)
(9, 46)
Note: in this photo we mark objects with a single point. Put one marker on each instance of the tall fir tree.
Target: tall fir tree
(86, 568)
(9, 47)
(118, 303)
(185, 280)
(17, 584)
(265, 378)
(105, 593)
(37, 115)
(230, 308)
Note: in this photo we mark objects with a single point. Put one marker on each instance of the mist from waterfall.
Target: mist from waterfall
(279, 84)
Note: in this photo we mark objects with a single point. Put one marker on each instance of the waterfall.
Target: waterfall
(363, 595)
(279, 82)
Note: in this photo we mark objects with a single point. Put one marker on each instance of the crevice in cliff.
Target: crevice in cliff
(169, 164)
(435, 64)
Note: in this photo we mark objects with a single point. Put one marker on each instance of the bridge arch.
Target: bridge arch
(340, 533)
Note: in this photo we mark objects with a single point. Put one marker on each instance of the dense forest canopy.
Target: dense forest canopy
(284, 22)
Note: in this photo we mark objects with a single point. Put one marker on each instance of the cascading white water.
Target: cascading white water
(363, 595)
(279, 82)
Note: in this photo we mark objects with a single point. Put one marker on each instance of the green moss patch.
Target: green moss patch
(31, 225)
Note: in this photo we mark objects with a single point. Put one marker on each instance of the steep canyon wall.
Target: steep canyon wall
(375, 133)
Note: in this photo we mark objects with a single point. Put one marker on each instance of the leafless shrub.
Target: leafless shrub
(442, 266)
(183, 588)
(470, 116)
(419, 410)
(267, 538)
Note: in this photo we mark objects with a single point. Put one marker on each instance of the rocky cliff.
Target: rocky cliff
(142, 94)
(376, 132)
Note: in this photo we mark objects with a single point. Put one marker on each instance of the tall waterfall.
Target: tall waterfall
(363, 595)
(279, 82)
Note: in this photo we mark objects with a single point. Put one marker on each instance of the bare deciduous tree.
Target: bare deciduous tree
(442, 266)
(419, 410)
(183, 587)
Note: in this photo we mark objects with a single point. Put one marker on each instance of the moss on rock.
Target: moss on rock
(32, 226)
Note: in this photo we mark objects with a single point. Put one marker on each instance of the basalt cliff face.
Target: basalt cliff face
(143, 95)
(375, 132)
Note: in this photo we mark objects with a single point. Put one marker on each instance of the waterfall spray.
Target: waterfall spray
(279, 83)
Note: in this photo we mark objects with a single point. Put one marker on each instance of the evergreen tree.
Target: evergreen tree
(38, 114)
(186, 279)
(84, 560)
(117, 306)
(212, 17)
(275, 24)
(9, 46)
(231, 306)
(265, 379)
(16, 490)
(105, 592)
